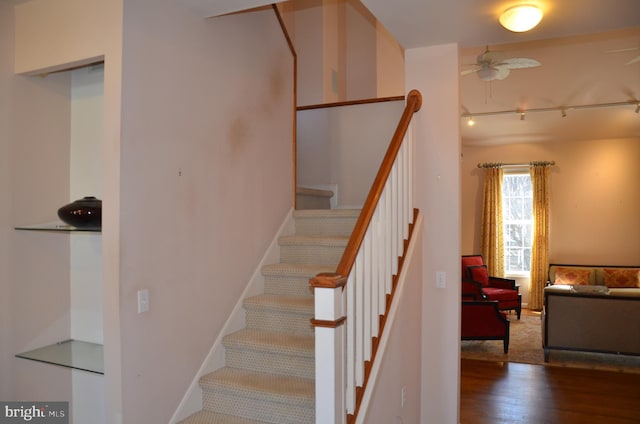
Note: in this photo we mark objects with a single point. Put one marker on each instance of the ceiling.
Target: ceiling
(583, 46)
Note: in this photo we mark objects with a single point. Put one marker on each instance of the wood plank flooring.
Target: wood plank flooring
(510, 393)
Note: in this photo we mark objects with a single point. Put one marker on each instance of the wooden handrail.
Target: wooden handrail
(414, 102)
(352, 102)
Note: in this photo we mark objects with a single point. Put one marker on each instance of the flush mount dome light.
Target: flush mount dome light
(521, 18)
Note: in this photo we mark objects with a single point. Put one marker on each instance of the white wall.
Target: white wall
(37, 282)
(434, 71)
(345, 146)
(51, 36)
(87, 99)
(206, 178)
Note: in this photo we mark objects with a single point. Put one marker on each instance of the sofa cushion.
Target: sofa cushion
(479, 274)
(621, 277)
(574, 276)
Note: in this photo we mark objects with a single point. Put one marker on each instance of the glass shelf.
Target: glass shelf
(55, 226)
(71, 354)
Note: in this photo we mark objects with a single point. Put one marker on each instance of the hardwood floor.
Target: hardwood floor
(509, 393)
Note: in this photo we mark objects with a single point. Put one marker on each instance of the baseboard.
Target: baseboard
(215, 359)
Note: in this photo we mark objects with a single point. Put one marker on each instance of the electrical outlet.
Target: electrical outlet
(403, 396)
(143, 300)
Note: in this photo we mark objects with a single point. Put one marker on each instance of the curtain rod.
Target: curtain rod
(503, 165)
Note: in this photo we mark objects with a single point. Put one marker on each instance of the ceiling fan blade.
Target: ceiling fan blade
(634, 60)
(519, 63)
(468, 71)
(503, 72)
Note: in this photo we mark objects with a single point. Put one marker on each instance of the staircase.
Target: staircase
(270, 365)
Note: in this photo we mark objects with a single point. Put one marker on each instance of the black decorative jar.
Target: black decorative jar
(85, 213)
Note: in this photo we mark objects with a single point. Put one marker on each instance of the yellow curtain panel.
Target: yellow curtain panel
(492, 231)
(540, 177)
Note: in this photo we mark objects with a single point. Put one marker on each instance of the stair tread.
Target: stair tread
(307, 240)
(210, 417)
(285, 303)
(275, 342)
(326, 213)
(295, 270)
(269, 387)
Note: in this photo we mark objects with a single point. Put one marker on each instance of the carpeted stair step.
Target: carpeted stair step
(272, 312)
(321, 250)
(209, 417)
(268, 397)
(323, 222)
(271, 352)
(291, 279)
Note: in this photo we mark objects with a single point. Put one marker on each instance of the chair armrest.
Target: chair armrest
(472, 290)
(482, 316)
(503, 283)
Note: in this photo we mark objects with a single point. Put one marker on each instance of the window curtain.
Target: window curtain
(539, 250)
(492, 231)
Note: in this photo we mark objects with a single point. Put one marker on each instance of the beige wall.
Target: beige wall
(595, 198)
(343, 53)
(42, 44)
(344, 146)
(205, 184)
(437, 194)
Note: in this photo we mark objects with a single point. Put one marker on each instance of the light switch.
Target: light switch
(441, 279)
(143, 300)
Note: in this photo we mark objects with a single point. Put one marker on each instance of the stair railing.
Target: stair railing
(351, 304)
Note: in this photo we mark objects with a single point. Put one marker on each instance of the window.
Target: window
(517, 212)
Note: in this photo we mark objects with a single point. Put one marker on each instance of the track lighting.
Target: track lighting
(563, 110)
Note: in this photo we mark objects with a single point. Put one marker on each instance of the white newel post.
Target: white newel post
(330, 353)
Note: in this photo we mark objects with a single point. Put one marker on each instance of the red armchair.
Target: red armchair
(481, 320)
(478, 285)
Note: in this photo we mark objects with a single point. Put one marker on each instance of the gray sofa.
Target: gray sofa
(594, 313)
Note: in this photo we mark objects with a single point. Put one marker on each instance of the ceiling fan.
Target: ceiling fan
(491, 66)
(629, 49)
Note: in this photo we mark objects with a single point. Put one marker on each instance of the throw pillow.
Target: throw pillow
(573, 276)
(479, 274)
(622, 277)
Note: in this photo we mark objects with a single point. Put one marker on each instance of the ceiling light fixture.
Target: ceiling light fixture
(487, 73)
(522, 116)
(521, 18)
(563, 112)
(471, 122)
